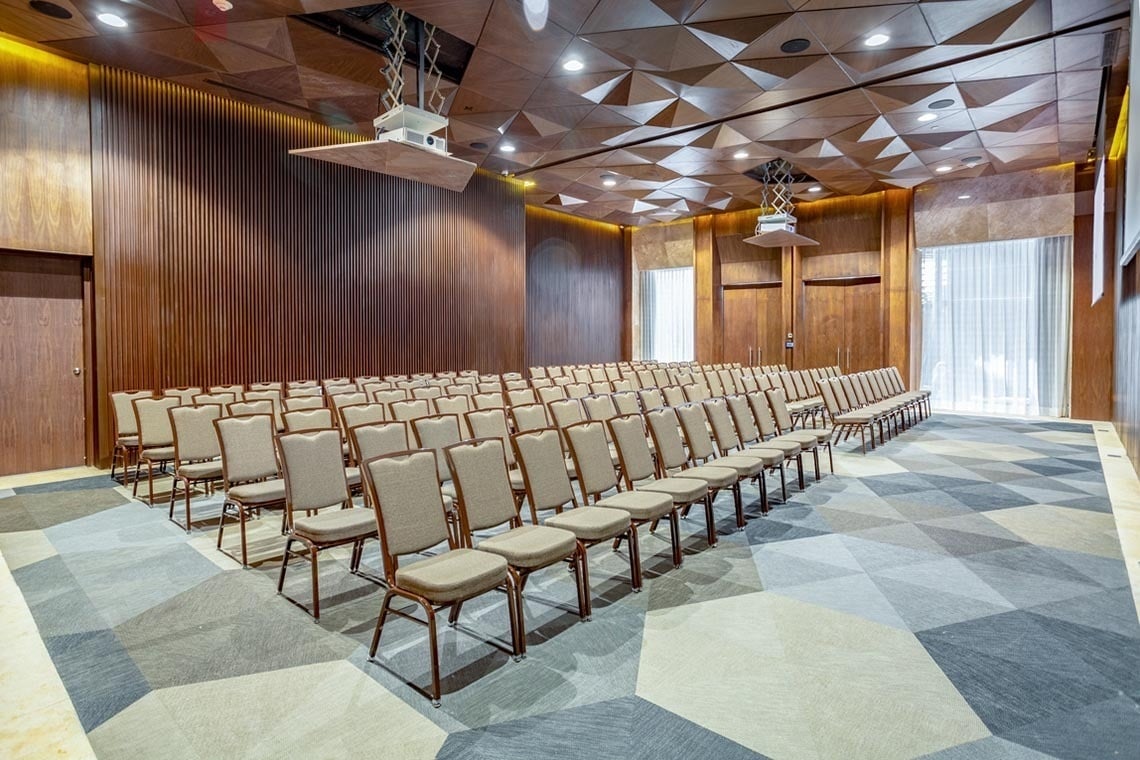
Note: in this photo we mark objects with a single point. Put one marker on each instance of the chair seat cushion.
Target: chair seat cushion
(682, 490)
(779, 443)
(453, 576)
(265, 492)
(805, 437)
(641, 505)
(158, 454)
(201, 470)
(128, 441)
(352, 475)
(717, 476)
(517, 483)
(531, 546)
(745, 465)
(591, 523)
(854, 418)
(769, 456)
(336, 525)
(822, 435)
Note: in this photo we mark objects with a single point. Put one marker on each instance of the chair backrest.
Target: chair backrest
(124, 411)
(550, 393)
(621, 386)
(274, 386)
(404, 492)
(237, 390)
(581, 374)
(601, 387)
(529, 417)
(217, 399)
(245, 408)
(361, 414)
(437, 433)
(427, 392)
(591, 455)
(540, 458)
(313, 464)
(389, 395)
(409, 409)
(741, 411)
(828, 392)
(779, 409)
(274, 397)
(514, 383)
(305, 392)
(636, 459)
(293, 384)
(375, 439)
(626, 402)
(309, 419)
(152, 421)
(566, 412)
(661, 377)
(758, 403)
(520, 396)
(599, 408)
(764, 382)
(246, 445)
(713, 383)
(727, 381)
(646, 378)
(674, 395)
(651, 398)
(694, 424)
(695, 393)
(850, 391)
(298, 403)
(479, 469)
(720, 420)
(185, 396)
(347, 399)
(194, 436)
(492, 423)
(667, 441)
(801, 385)
(577, 390)
(489, 400)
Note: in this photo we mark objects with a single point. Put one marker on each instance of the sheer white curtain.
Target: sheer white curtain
(996, 326)
(667, 314)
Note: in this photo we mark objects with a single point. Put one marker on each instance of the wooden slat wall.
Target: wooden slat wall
(576, 282)
(45, 152)
(221, 259)
(1091, 386)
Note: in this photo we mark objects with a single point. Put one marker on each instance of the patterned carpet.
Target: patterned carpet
(959, 594)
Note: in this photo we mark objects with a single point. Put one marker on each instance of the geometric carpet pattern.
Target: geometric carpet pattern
(957, 593)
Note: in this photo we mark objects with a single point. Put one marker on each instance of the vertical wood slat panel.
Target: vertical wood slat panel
(575, 289)
(223, 259)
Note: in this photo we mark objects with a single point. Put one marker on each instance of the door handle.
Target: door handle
(750, 356)
(759, 354)
(849, 358)
(837, 356)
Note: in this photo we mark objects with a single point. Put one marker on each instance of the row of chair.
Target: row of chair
(876, 399)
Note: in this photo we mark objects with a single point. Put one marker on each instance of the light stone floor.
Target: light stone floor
(806, 689)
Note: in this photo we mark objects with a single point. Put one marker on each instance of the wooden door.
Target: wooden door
(863, 326)
(739, 325)
(821, 334)
(41, 346)
(770, 330)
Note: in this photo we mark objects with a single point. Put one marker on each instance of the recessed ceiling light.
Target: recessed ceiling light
(963, 197)
(223, 5)
(945, 147)
(877, 39)
(740, 154)
(573, 64)
(972, 159)
(50, 9)
(815, 189)
(943, 169)
(938, 104)
(507, 148)
(110, 19)
(795, 45)
(609, 180)
(928, 117)
(479, 145)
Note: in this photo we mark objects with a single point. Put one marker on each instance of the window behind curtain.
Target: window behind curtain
(667, 314)
(996, 326)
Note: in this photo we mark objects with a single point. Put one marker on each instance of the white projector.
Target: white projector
(412, 126)
(776, 223)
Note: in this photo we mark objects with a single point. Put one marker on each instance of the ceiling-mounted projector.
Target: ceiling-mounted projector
(412, 126)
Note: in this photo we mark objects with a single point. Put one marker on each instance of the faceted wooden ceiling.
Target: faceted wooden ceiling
(670, 91)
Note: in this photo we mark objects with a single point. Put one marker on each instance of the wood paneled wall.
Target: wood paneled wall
(45, 152)
(1091, 386)
(577, 273)
(220, 258)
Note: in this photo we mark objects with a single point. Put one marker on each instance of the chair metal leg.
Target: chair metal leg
(585, 607)
(738, 502)
(634, 559)
(380, 623)
(783, 483)
(433, 642)
(710, 521)
(284, 564)
(675, 535)
(453, 614)
(815, 455)
(518, 619)
(765, 507)
(316, 584)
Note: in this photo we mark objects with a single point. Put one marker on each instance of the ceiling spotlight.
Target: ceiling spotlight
(573, 64)
(50, 9)
(875, 40)
(945, 147)
(927, 117)
(815, 189)
(939, 104)
(609, 180)
(944, 168)
(963, 197)
(110, 19)
(740, 154)
(507, 148)
(795, 45)
(223, 5)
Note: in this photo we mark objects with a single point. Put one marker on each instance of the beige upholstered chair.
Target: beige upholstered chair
(728, 441)
(196, 452)
(301, 403)
(640, 472)
(809, 438)
(769, 438)
(626, 402)
(749, 438)
(598, 476)
(437, 433)
(540, 458)
(250, 474)
(309, 419)
(651, 398)
(245, 408)
(313, 391)
(489, 400)
(492, 423)
(550, 393)
(156, 438)
(409, 409)
(389, 396)
(459, 405)
(353, 415)
(238, 391)
(521, 396)
(485, 501)
(403, 490)
(218, 399)
(294, 384)
(427, 392)
(272, 386)
(529, 417)
(273, 396)
(126, 448)
(674, 395)
(185, 396)
(377, 439)
(319, 511)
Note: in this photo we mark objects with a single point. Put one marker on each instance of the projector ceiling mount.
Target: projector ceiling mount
(776, 226)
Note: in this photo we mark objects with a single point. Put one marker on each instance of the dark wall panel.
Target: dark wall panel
(575, 289)
(220, 258)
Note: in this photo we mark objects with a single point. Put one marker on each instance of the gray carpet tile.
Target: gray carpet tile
(1109, 729)
(43, 510)
(99, 675)
(76, 484)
